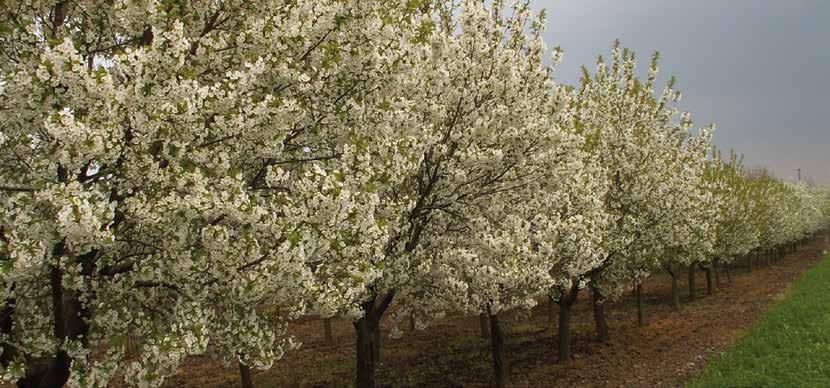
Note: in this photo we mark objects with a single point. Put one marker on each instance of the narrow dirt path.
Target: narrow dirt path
(670, 349)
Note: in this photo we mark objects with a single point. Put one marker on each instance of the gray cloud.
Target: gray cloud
(758, 69)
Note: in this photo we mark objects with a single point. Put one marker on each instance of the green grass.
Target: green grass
(789, 347)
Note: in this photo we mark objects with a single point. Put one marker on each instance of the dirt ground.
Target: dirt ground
(669, 350)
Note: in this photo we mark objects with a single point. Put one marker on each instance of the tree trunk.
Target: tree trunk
(7, 352)
(366, 348)
(639, 292)
(566, 301)
(599, 315)
(675, 291)
(57, 371)
(564, 332)
(368, 335)
(497, 342)
(729, 273)
(377, 343)
(551, 310)
(709, 285)
(69, 321)
(692, 282)
(482, 322)
(411, 323)
(329, 338)
(750, 259)
(716, 268)
(245, 375)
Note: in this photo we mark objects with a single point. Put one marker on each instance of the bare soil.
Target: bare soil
(671, 348)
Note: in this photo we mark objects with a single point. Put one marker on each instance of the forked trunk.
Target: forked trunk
(497, 342)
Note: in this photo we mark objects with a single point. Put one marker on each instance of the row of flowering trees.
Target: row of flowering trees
(193, 175)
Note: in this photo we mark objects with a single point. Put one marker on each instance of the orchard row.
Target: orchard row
(196, 174)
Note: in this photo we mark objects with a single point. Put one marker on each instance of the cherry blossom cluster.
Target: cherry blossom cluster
(191, 176)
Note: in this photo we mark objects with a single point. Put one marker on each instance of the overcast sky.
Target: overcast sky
(758, 69)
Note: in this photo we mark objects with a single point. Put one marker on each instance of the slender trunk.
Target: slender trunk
(639, 292)
(245, 375)
(368, 334)
(69, 321)
(7, 352)
(716, 268)
(729, 273)
(482, 322)
(551, 310)
(599, 315)
(329, 338)
(675, 291)
(692, 282)
(709, 285)
(566, 301)
(377, 343)
(366, 357)
(57, 372)
(564, 332)
(750, 259)
(411, 323)
(497, 342)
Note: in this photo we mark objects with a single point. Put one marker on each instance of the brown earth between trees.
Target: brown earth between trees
(669, 349)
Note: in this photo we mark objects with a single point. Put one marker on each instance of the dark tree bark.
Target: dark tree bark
(368, 335)
(411, 323)
(483, 326)
(377, 343)
(6, 325)
(69, 321)
(692, 295)
(599, 314)
(729, 273)
(716, 268)
(566, 301)
(675, 290)
(245, 376)
(551, 310)
(638, 290)
(709, 285)
(497, 342)
(329, 338)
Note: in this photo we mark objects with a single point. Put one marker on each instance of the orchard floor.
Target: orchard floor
(669, 350)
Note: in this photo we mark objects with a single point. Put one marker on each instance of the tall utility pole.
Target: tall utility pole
(799, 175)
